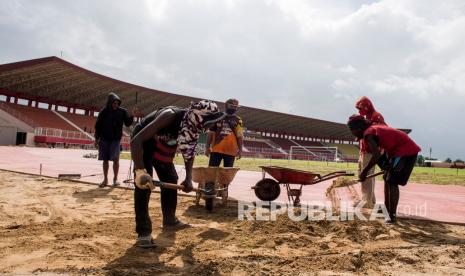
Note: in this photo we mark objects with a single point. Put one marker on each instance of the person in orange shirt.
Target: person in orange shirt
(367, 110)
(225, 139)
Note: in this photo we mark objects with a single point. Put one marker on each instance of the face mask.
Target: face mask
(231, 111)
(172, 142)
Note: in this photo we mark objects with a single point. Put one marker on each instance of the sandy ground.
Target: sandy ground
(58, 227)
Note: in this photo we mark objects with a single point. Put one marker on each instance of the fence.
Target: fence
(60, 133)
(69, 138)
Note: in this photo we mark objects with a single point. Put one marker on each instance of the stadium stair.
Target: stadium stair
(275, 146)
(74, 125)
(303, 147)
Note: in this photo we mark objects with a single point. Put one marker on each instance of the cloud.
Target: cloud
(307, 57)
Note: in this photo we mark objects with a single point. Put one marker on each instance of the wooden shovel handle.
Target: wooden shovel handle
(373, 175)
(172, 186)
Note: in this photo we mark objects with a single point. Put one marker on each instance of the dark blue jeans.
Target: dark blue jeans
(216, 158)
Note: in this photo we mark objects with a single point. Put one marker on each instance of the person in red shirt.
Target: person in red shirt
(401, 153)
(365, 108)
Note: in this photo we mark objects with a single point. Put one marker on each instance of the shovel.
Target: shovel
(348, 182)
(173, 186)
(75, 175)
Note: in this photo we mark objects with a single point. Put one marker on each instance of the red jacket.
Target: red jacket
(366, 108)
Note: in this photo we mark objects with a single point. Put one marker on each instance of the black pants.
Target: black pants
(167, 173)
(397, 173)
(215, 160)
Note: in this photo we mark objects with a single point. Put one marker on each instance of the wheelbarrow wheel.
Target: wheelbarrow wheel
(267, 189)
(198, 195)
(209, 195)
(224, 197)
(209, 204)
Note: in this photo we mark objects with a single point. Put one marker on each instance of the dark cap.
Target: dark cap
(233, 102)
(357, 122)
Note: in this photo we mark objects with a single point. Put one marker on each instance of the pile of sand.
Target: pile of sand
(50, 226)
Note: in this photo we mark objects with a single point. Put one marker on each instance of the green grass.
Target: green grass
(440, 176)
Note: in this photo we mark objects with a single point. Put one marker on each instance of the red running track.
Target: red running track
(432, 202)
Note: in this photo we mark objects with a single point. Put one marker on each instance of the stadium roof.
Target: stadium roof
(54, 79)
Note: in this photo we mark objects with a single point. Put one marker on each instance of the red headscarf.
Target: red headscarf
(366, 108)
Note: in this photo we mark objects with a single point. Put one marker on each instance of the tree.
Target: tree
(448, 160)
(420, 160)
(458, 161)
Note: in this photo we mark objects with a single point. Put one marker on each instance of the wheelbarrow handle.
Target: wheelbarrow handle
(343, 173)
(333, 175)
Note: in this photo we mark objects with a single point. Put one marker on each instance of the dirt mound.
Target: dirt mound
(50, 226)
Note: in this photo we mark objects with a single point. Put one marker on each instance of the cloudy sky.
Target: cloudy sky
(308, 57)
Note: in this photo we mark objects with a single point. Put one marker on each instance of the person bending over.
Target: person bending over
(401, 153)
(154, 144)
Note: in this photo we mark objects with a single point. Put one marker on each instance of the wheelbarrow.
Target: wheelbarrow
(214, 180)
(268, 189)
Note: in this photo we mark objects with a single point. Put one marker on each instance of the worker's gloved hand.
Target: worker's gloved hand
(187, 183)
(143, 180)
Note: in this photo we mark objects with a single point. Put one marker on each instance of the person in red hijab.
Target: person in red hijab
(367, 110)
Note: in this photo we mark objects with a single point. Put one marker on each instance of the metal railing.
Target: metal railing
(73, 137)
(263, 150)
(66, 134)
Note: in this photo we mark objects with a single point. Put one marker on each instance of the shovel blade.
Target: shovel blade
(69, 176)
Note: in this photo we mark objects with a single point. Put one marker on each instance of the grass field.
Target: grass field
(441, 176)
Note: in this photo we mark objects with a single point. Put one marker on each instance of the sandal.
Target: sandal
(176, 225)
(145, 242)
(102, 185)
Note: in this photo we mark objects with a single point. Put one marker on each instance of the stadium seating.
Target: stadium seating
(41, 117)
(345, 149)
(53, 129)
(86, 123)
(285, 144)
(256, 144)
(310, 144)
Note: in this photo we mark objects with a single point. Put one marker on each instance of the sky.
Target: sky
(313, 58)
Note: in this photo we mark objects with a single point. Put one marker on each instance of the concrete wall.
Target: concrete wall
(437, 164)
(6, 119)
(30, 139)
(7, 135)
(9, 126)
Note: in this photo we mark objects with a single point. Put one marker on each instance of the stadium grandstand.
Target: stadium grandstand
(51, 102)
